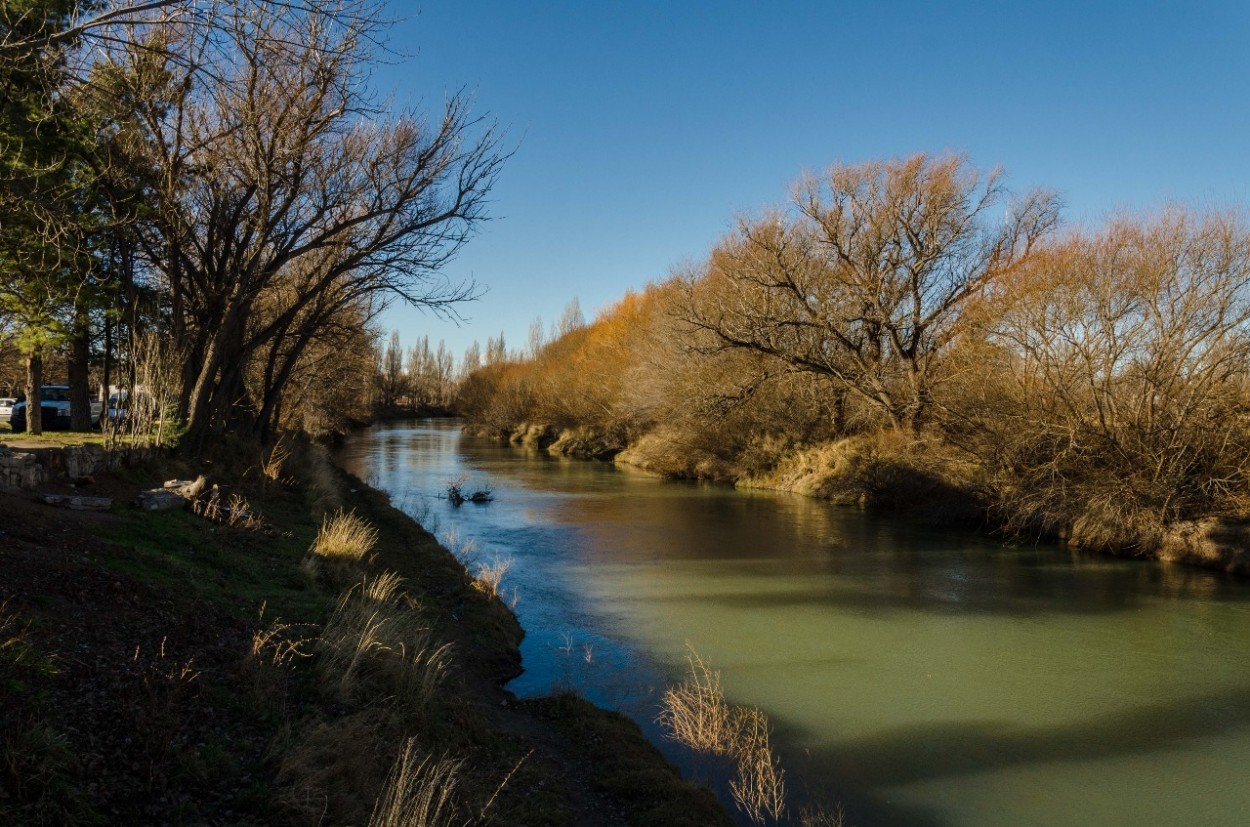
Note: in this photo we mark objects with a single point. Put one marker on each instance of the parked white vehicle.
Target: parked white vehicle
(122, 401)
(54, 405)
(6, 407)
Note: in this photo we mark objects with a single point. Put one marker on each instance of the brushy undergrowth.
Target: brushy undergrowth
(885, 470)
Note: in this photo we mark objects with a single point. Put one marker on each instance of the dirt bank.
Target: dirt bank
(162, 668)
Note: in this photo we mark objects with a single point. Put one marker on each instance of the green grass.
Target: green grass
(192, 560)
(53, 438)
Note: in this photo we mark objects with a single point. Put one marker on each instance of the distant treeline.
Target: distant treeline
(908, 333)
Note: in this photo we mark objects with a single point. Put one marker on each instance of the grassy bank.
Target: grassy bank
(324, 662)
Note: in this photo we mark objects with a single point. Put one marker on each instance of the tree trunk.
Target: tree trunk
(839, 414)
(78, 368)
(205, 397)
(275, 386)
(34, 393)
(198, 407)
(107, 378)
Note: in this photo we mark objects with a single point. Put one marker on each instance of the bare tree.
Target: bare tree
(1120, 399)
(570, 319)
(537, 338)
(392, 370)
(444, 374)
(93, 25)
(496, 350)
(863, 279)
(472, 359)
(104, 21)
(287, 196)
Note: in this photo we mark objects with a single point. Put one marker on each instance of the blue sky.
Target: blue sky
(643, 129)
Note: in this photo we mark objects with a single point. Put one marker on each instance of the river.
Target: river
(923, 677)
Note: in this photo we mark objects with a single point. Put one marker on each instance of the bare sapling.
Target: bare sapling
(695, 712)
(759, 785)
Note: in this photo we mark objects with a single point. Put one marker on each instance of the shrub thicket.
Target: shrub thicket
(1090, 384)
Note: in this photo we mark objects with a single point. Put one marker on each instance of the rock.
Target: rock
(190, 489)
(77, 503)
(160, 499)
(21, 470)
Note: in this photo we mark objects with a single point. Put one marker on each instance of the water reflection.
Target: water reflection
(927, 677)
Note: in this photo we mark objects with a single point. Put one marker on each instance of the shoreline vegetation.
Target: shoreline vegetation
(328, 663)
(907, 334)
(882, 472)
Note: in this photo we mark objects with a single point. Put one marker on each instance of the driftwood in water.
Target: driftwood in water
(457, 496)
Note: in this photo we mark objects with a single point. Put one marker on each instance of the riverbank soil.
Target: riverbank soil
(163, 668)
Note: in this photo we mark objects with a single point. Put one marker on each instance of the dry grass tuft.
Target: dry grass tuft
(234, 511)
(166, 686)
(275, 650)
(362, 634)
(273, 466)
(818, 816)
(15, 650)
(41, 778)
(344, 536)
(424, 671)
(383, 589)
(375, 639)
(464, 550)
(330, 772)
(420, 792)
(489, 577)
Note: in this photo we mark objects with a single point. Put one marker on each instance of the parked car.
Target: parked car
(6, 407)
(54, 409)
(120, 404)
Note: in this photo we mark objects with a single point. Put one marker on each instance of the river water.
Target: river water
(922, 677)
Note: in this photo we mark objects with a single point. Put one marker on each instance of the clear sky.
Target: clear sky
(642, 129)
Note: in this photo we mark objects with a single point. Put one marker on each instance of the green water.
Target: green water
(922, 677)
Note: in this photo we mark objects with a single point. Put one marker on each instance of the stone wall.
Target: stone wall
(20, 469)
(29, 467)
